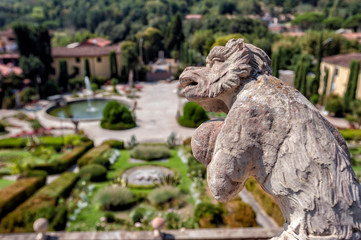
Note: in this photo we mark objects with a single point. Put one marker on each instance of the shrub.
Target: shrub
(165, 195)
(59, 221)
(265, 200)
(137, 214)
(92, 154)
(351, 134)
(150, 152)
(114, 198)
(102, 160)
(114, 143)
(208, 215)
(93, 172)
(2, 127)
(13, 142)
(70, 158)
(193, 115)
(335, 104)
(117, 116)
(173, 220)
(109, 217)
(16, 193)
(34, 173)
(239, 214)
(195, 168)
(41, 204)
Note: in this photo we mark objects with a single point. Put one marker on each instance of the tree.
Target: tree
(152, 39)
(175, 37)
(350, 94)
(35, 40)
(31, 66)
(113, 65)
(353, 22)
(129, 56)
(87, 72)
(309, 20)
(275, 63)
(332, 23)
(302, 69)
(325, 81)
(202, 40)
(63, 75)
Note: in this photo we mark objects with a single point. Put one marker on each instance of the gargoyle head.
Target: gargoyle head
(228, 68)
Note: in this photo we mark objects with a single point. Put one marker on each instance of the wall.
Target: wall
(97, 68)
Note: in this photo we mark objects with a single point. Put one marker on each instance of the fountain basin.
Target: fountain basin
(80, 110)
(146, 176)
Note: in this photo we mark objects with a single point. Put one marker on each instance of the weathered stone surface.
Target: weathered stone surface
(204, 139)
(273, 133)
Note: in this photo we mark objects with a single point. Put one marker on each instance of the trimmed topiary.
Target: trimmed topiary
(193, 115)
(93, 172)
(117, 116)
(114, 198)
(335, 104)
(209, 215)
(150, 152)
(239, 214)
(114, 143)
(165, 195)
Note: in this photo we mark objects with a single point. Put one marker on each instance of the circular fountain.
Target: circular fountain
(146, 176)
(80, 109)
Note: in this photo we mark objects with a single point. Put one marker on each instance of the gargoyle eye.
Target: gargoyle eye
(217, 59)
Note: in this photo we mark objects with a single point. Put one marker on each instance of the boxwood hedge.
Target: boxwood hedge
(42, 204)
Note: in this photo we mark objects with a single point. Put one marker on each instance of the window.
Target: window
(99, 59)
(77, 60)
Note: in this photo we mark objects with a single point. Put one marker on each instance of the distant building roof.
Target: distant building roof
(293, 34)
(8, 33)
(352, 36)
(9, 68)
(194, 17)
(85, 51)
(98, 41)
(9, 56)
(342, 59)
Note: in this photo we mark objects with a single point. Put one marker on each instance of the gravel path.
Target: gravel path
(156, 117)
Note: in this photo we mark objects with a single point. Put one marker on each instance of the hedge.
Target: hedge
(91, 155)
(193, 115)
(21, 142)
(114, 143)
(265, 200)
(18, 192)
(351, 134)
(93, 172)
(41, 204)
(65, 161)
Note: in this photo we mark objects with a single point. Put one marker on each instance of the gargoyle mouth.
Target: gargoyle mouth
(187, 82)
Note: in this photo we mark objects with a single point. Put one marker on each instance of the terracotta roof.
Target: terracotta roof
(86, 51)
(194, 17)
(7, 69)
(342, 59)
(9, 55)
(98, 41)
(352, 36)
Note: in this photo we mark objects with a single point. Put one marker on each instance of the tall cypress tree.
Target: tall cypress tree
(63, 75)
(276, 63)
(350, 94)
(87, 68)
(325, 81)
(113, 65)
(175, 36)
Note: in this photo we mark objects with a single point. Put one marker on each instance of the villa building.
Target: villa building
(75, 55)
(338, 73)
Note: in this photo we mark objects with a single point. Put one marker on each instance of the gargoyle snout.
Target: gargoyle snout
(187, 79)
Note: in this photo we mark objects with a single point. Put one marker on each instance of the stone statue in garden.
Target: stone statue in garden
(273, 133)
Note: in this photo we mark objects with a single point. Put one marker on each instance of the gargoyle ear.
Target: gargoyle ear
(240, 43)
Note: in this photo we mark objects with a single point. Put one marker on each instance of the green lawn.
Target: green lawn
(89, 217)
(5, 182)
(14, 161)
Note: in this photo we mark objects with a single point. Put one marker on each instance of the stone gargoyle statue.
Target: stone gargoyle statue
(273, 133)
